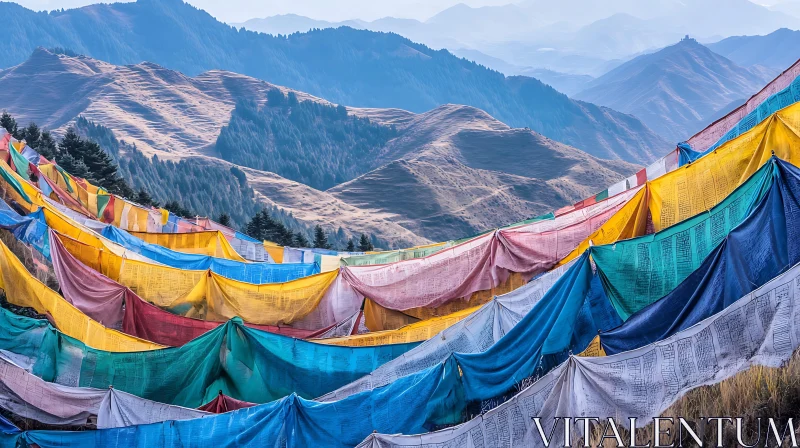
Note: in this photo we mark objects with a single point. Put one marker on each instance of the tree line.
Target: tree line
(184, 188)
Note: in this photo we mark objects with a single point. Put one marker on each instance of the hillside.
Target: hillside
(456, 166)
(675, 91)
(346, 66)
(474, 171)
(776, 51)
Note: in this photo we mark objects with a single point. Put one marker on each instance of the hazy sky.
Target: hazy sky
(333, 10)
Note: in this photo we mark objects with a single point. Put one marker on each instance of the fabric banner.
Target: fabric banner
(481, 330)
(245, 272)
(23, 289)
(419, 331)
(760, 328)
(696, 188)
(394, 255)
(250, 250)
(481, 263)
(210, 242)
(638, 271)
(290, 422)
(205, 294)
(760, 232)
(88, 199)
(761, 247)
(28, 396)
(118, 307)
(493, 371)
(243, 363)
(293, 421)
(766, 98)
(776, 102)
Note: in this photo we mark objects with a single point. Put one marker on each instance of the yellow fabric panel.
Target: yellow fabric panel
(419, 331)
(275, 252)
(699, 186)
(205, 295)
(594, 349)
(211, 242)
(378, 318)
(23, 289)
(630, 221)
(513, 282)
(271, 304)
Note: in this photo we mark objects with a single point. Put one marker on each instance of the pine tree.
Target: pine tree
(254, 228)
(350, 246)
(175, 208)
(300, 240)
(320, 240)
(47, 146)
(364, 244)
(9, 123)
(31, 134)
(143, 197)
(102, 170)
(264, 227)
(225, 220)
(73, 166)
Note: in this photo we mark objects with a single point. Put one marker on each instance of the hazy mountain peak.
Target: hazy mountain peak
(776, 51)
(674, 90)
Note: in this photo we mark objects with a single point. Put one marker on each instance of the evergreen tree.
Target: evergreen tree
(9, 123)
(255, 227)
(264, 227)
(73, 166)
(300, 240)
(102, 170)
(143, 197)
(46, 146)
(175, 208)
(350, 246)
(320, 240)
(364, 244)
(225, 220)
(31, 134)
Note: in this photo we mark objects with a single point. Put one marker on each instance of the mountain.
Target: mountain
(777, 50)
(458, 166)
(675, 89)
(346, 66)
(572, 36)
(288, 148)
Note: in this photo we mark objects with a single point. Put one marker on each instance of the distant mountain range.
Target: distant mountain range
(678, 90)
(776, 51)
(346, 66)
(445, 173)
(571, 36)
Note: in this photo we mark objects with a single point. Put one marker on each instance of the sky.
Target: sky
(233, 11)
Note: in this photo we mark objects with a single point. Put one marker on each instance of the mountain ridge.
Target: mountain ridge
(441, 153)
(345, 66)
(676, 90)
